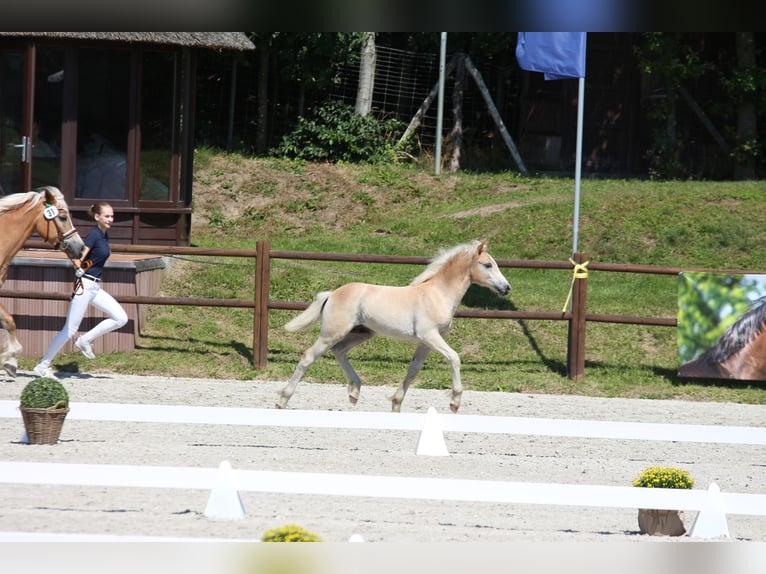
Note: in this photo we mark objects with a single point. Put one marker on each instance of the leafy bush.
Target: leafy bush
(664, 477)
(336, 133)
(290, 533)
(43, 393)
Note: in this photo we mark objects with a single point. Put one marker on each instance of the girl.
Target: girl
(96, 253)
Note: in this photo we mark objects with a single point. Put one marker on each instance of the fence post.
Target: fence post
(576, 347)
(261, 312)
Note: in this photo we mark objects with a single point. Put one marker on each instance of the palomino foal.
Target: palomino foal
(421, 312)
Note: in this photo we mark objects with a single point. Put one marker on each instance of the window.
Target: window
(159, 126)
(103, 106)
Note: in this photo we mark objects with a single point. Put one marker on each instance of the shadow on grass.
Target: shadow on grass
(671, 375)
(155, 344)
(483, 298)
(70, 367)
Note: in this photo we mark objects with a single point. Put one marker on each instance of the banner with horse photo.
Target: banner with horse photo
(722, 326)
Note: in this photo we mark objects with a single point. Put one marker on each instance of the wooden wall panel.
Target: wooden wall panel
(38, 320)
(140, 228)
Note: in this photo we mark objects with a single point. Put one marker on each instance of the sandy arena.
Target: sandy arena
(44, 511)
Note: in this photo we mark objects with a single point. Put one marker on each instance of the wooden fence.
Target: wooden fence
(577, 315)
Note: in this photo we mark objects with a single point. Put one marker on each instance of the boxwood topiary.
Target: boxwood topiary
(43, 393)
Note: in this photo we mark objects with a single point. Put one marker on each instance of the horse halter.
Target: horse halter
(51, 215)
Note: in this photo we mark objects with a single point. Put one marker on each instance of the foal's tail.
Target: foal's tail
(311, 315)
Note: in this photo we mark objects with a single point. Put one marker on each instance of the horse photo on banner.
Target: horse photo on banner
(722, 326)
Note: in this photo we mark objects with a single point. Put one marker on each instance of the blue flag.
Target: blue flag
(559, 55)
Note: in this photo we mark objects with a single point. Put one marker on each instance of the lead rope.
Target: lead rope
(77, 288)
(49, 214)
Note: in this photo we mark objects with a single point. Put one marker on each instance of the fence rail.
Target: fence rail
(373, 486)
(370, 420)
(261, 303)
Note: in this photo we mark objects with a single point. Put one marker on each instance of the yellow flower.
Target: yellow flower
(290, 533)
(664, 477)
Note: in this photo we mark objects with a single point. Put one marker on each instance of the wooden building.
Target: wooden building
(106, 115)
(101, 115)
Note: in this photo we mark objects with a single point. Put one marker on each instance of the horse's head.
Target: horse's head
(54, 223)
(485, 272)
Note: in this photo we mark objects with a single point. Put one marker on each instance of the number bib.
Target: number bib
(50, 212)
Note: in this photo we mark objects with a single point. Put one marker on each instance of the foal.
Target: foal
(421, 312)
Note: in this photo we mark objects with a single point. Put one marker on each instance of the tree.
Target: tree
(366, 75)
(263, 46)
(747, 118)
(293, 63)
(667, 59)
(721, 67)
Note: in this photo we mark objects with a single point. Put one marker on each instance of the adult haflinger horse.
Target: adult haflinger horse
(421, 312)
(21, 214)
(740, 353)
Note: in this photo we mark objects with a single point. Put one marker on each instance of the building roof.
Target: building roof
(216, 40)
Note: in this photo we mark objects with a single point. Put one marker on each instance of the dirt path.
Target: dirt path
(179, 513)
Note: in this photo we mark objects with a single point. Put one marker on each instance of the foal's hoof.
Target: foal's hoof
(454, 408)
(278, 406)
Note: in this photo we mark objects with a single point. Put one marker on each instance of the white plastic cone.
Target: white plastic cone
(431, 441)
(711, 520)
(224, 502)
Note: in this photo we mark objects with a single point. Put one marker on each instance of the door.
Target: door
(47, 124)
(31, 98)
(15, 120)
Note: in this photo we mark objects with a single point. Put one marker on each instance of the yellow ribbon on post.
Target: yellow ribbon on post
(579, 271)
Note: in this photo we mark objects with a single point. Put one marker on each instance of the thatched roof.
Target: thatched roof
(216, 40)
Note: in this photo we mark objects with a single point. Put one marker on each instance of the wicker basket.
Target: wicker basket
(43, 425)
(661, 522)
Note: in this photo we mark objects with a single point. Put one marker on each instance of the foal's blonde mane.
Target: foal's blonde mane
(468, 249)
(17, 200)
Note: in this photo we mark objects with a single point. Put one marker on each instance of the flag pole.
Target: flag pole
(578, 164)
(440, 104)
